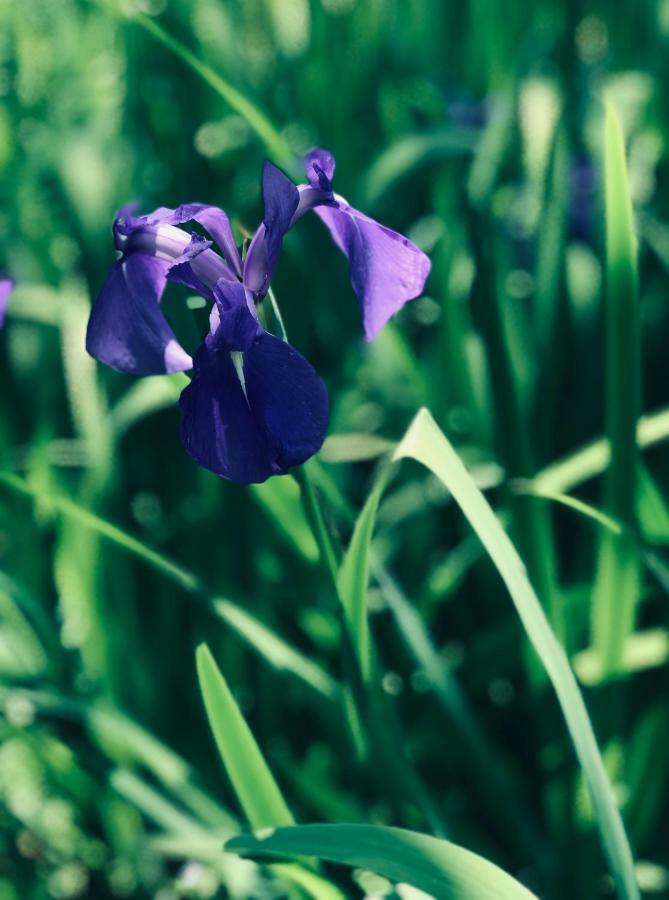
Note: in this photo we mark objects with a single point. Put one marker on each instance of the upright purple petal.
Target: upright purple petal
(127, 329)
(6, 286)
(386, 269)
(216, 222)
(255, 413)
(280, 199)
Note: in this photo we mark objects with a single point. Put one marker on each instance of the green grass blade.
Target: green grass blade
(254, 784)
(276, 146)
(353, 578)
(529, 489)
(280, 499)
(618, 581)
(589, 461)
(438, 867)
(275, 650)
(425, 443)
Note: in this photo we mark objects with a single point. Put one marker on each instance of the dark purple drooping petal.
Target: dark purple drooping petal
(280, 199)
(127, 329)
(6, 285)
(255, 407)
(386, 269)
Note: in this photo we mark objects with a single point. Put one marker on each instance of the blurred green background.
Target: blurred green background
(476, 129)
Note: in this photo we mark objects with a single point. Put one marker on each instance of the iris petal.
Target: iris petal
(212, 218)
(127, 329)
(247, 425)
(280, 199)
(386, 269)
(290, 399)
(6, 285)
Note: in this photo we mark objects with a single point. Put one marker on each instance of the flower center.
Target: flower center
(170, 243)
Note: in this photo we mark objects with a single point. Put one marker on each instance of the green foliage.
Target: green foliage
(438, 867)
(373, 652)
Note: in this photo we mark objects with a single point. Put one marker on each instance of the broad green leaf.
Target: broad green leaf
(438, 867)
(618, 580)
(353, 577)
(254, 784)
(427, 444)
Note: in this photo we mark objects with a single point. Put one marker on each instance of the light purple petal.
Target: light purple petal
(280, 199)
(127, 329)
(386, 269)
(258, 417)
(212, 218)
(6, 286)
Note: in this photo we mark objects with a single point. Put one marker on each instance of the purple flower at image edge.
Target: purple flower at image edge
(255, 407)
(6, 287)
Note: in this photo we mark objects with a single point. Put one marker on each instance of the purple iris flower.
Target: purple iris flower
(6, 285)
(255, 407)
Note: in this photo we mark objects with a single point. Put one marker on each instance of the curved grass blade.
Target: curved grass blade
(274, 649)
(427, 444)
(438, 867)
(589, 461)
(254, 784)
(276, 146)
(529, 488)
(618, 580)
